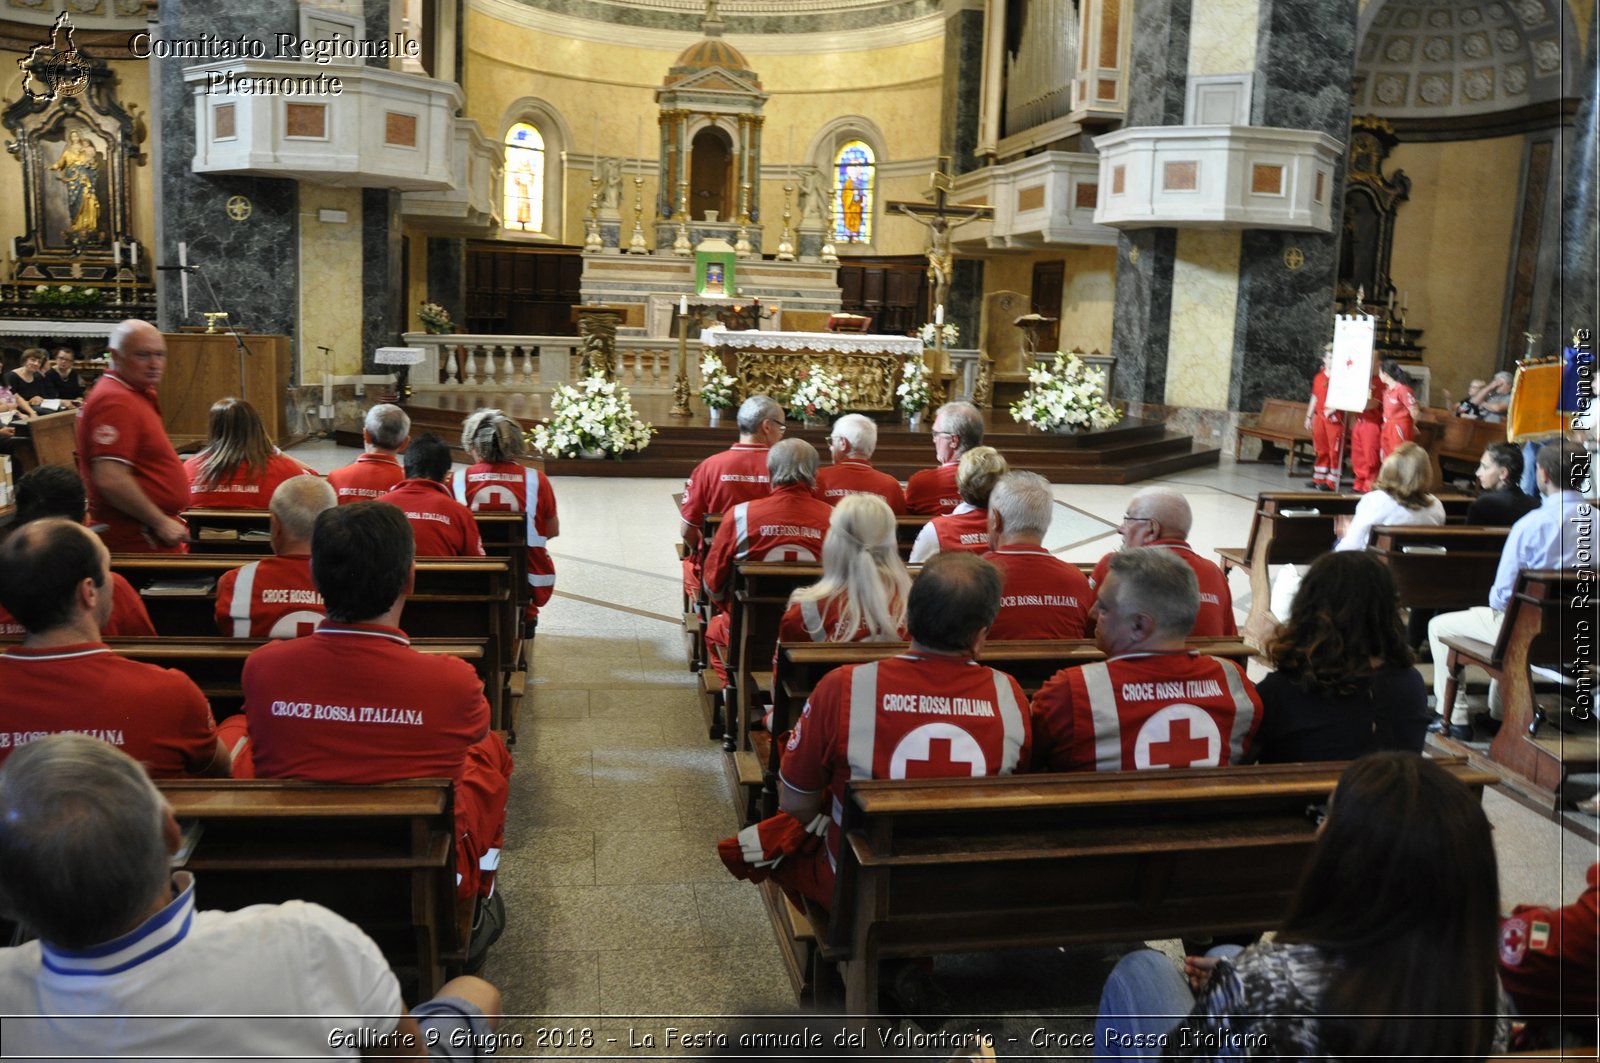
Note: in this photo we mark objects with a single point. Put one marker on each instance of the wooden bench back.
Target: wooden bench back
(382, 856)
(51, 440)
(1450, 567)
(906, 530)
(1551, 600)
(963, 865)
(1282, 415)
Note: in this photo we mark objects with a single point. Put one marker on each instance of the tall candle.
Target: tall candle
(938, 314)
(597, 135)
(116, 252)
(133, 249)
(638, 140)
(183, 276)
(683, 306)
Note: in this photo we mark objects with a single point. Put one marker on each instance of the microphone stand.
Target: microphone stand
(231, 329)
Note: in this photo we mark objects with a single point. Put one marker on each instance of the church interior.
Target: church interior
(1184, 193)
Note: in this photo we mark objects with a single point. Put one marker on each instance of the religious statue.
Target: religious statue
(814, 196)
(610, 183)
(79, 169)
(941, 261)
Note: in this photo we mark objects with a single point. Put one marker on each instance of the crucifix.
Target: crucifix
(940, 225)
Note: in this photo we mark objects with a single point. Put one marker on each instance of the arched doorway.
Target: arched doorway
(711, 173)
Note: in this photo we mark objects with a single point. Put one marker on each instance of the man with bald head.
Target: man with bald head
(957, 428)
(1160, 517)
(275, 598)
(55, 578)
(137, 484)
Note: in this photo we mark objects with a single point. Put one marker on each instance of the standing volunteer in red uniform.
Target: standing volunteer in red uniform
(1151, 704)
(137, 483)
(1327, 430)
(1366, 437)
(967, 526)
(1041, 596)
(1160, 517)
(1399, 408)
(738, 474)
(498, 483)
(354, 703)
(957, 428)
(385, 432)
(442, 526)
(851, 444)
(276, 598)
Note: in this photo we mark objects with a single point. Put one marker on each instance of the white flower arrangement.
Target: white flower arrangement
(1066, 395)
(930, 331)
(597, 414)
(816, 393)
(716, 383)
(913, 387)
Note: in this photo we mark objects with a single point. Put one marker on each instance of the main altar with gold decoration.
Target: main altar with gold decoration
(761, 361)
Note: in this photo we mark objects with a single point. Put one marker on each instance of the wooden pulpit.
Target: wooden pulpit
(203, 367)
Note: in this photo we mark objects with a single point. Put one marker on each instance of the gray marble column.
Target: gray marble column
(963, 89)
(447, 278)
(1305, 56)
(382, 298)
(252, 262)
(966, 300)
(1158, 69)
(1572, 300)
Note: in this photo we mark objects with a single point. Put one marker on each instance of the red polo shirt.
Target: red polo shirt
(723, 480)
(129, 617)
(787, 525)
(273, 598)
(119, 422)
(155, 715)
(365, 479)
(933, 491)
(443, 527)
(1216, 600)
(1041, 596)
(241, 490)
(853, 476)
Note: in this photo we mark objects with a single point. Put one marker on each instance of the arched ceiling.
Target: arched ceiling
(743, 16)
(1436, 58)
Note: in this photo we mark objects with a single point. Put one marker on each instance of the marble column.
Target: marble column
(252, 261)
(1158, 69)
(963, 89)
(447, 279)
(1572, 301)
(383, 316)
(1305, 55)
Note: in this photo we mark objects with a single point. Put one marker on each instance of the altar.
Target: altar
(762, 361)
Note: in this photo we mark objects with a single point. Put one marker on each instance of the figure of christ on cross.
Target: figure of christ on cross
(941, 259)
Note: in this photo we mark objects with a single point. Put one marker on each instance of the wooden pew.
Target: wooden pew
(1437, 568)
(1282, 421)
(1459, 442)
(1296, 528)
(51, 440)
(217, 664)
(382, 856)
(1549, 624)
(937, 866)
(800, 666)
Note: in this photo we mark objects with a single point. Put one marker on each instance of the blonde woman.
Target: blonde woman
(967, 526)
(1399, 496)
(862, 594)
(498, 482)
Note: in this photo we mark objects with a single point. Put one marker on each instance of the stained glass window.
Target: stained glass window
(524, 169)
(853, 171)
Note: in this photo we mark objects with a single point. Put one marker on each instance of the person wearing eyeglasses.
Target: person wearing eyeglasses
(957, 428)
(722, 481)
(1161, 517)
(851, 444)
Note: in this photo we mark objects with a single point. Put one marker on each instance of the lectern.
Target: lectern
(203, 367)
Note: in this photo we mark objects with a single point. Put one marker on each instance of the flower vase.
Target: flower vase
(591, 453)
(715, 414)
(1065, 429)
(813, 422)
(914, 422)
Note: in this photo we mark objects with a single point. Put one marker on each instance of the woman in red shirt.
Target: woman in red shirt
(497, 482)
(862, 594)
(1399, 408)
(240, 468)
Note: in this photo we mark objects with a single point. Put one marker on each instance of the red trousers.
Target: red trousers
(1327, 437)
(1400, 430)
(1364, 457)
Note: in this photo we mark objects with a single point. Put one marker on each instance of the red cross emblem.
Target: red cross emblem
(1179, 736)
(937, 751)
(1513, 941)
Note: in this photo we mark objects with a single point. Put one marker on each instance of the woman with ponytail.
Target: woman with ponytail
(862, 594)
(499, 483)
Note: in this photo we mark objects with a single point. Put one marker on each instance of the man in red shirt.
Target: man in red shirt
(137, 484)
(275, 598)
(1160, 517)
(385, 432)
(352, 702)
(1151, 703)
(1548, 965)
(56, 491)
(738, 474)
(851, 444)
(957, 428)
(442, 526)
(1041, 596)
(55, 578)
(787, 525)
(933, 712)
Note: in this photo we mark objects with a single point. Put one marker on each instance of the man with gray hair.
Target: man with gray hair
(957, 428)
(1151, 703)
(386, 431)
(1041, 597)
(723, 480)
(126, 967)
(1160, 517)
(851, 444)
(275, 598)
